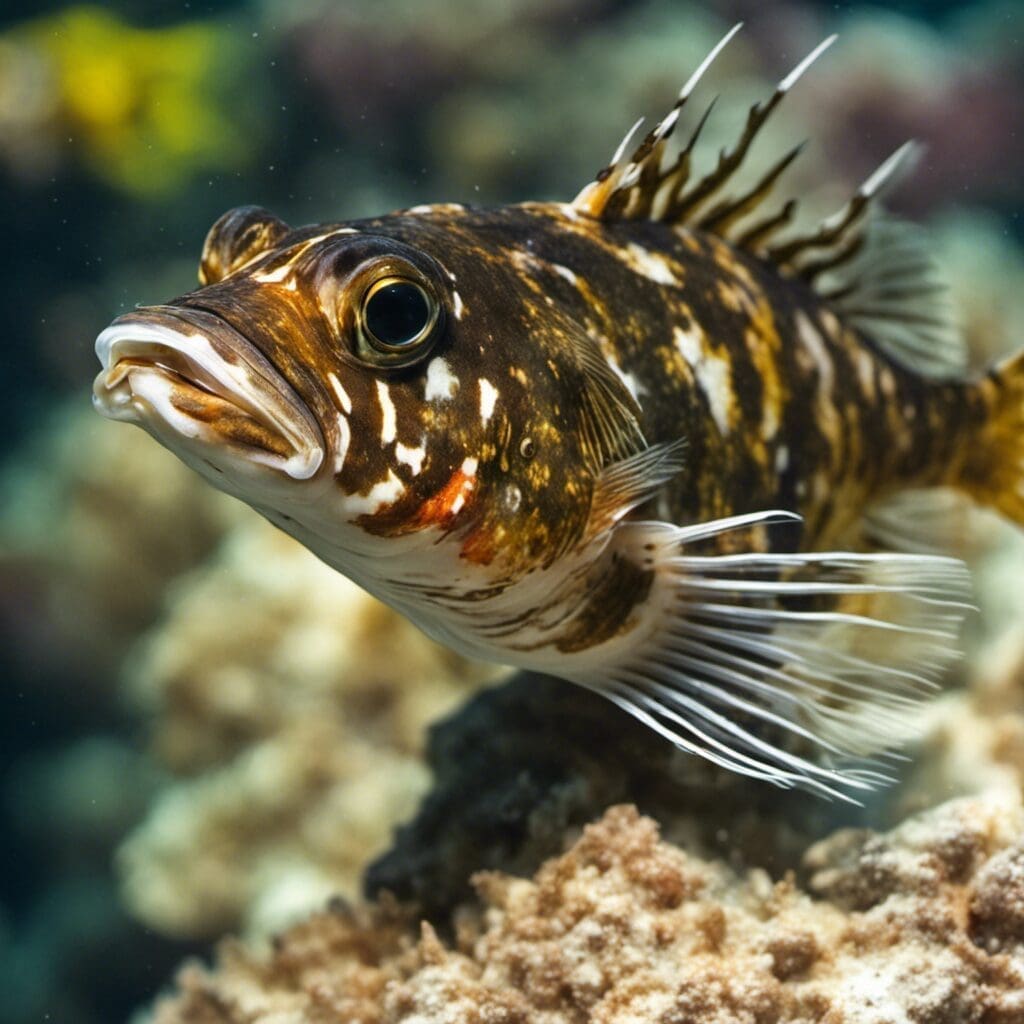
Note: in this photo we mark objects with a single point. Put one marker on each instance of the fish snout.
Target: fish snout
(200, 387)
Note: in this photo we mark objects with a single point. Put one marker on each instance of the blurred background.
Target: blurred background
(190, 743)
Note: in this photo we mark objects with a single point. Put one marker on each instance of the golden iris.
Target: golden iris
(397, 321)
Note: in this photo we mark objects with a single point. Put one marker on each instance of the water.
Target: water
(126, 129)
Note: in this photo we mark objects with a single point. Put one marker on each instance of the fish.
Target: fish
(642, 441)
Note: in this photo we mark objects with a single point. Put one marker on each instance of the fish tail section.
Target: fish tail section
(992, 468)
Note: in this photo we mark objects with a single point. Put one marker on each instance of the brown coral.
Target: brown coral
(625, 928)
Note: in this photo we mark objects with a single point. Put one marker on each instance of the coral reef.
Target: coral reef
(924, 924)
(89, 542)
(520, 764)
(292, 708)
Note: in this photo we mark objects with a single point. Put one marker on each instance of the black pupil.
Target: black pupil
(397, 313)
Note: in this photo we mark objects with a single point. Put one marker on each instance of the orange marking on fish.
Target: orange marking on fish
(441, 508)
(479, 546)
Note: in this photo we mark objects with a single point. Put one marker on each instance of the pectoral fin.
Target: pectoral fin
(793, 668)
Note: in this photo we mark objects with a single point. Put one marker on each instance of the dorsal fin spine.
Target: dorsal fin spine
(619, 153)
(813, 269)
(674, 180)
(727, 212)
(832, 230)
(828, 233)
(760, 231)
(694, 79)
(793, 77)
(915, 327)
(595, 197)
(730, 160)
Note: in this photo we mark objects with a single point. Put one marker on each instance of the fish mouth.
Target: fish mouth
(198, 385)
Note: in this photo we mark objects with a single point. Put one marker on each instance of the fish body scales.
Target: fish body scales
(638, 441)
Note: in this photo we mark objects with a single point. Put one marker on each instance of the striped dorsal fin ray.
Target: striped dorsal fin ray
(915, 326)
(637, 184)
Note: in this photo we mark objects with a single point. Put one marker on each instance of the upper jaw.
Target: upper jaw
(193, 381)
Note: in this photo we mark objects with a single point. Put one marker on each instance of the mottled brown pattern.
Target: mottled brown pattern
(873, 428)
(580, 331)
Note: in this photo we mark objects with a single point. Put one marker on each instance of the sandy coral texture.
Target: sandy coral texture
(924, 925)
(280, 697)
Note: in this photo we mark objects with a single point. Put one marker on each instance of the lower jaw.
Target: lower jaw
(199, 384)
(191, 420)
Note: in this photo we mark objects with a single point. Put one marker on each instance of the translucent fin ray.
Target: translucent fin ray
(627, 484)
(789, 667)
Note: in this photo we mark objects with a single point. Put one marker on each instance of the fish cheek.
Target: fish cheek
(533, 512)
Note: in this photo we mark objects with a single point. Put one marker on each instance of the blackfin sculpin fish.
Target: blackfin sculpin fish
(635, 441)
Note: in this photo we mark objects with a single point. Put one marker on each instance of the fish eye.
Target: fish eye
(397, 322)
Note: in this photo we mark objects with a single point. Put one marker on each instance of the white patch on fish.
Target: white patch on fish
(488, 396)
(713, 374)
(565, 272)
(384, 492)
(344, 439)
(441, 382)
(275, 276)
(513, 498)
(411, 457)
(648, 264)
(468, 470)
(339, 392)
(815, 347)
(866, 372)
(459, 308)
(629, 381)
(283, 272)
(389, 427)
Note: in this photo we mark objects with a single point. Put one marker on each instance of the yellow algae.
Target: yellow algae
(145, 108)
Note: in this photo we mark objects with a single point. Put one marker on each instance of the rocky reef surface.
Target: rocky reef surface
(544, 905)
(923, 924)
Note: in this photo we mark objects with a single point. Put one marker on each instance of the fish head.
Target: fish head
(370, 387)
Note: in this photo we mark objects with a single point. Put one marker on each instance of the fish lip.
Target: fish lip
(195, 345)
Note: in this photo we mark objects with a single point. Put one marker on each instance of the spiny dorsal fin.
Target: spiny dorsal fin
(850, 258)
(639, 187)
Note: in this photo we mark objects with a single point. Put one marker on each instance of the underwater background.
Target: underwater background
(202, 730)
